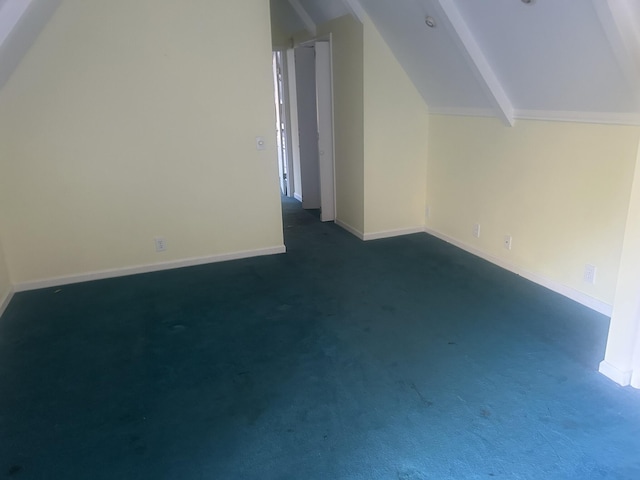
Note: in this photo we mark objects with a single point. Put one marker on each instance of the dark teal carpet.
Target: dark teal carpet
(403, 359)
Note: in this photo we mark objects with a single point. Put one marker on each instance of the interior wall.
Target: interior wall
(5, 282)
(622, 359)
(348, 104)
(395, 141)
(560, 189)
(279, 37)
(131, 120)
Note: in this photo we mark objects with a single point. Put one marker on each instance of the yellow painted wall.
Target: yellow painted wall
(130, 120)
(5, 283)
(380, 132)
(560, 189)
(279, 37)
(395, 141)
(347, 38)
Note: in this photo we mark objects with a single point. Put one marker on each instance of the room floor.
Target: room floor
(403, 359)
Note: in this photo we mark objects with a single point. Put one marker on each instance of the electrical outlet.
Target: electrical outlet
(161, 244)
(476, 230)
(508, 240)
(589, 274)
(427, 212)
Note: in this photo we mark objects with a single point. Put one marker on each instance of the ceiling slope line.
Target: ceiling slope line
(35, 15)
(606, 118)
(10, 14)
(357, 10)
(621, 32)
(462, 36)
(304, 16)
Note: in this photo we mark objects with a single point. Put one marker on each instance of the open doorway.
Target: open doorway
(281, 102)
(304, 111)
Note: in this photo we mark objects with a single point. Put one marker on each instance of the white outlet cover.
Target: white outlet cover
(589, 275)
(161, 244)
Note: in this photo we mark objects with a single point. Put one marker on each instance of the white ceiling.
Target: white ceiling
(564, 59)
(550, 55)
(324, 10)
(20, 24)
(429, 56)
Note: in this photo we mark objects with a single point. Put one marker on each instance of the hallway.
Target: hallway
(402, 358)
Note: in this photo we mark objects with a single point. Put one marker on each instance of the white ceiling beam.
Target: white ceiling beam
(356, 9)
(309, 24)
(451, 18)
(618, 21)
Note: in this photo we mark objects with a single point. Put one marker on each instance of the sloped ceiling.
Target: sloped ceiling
(547, 59)
(20, 24)
(555, 59)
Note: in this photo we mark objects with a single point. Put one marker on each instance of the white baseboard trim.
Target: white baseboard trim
(350, 229)
(297, 197)
(613, 373)
(392, 233)
(569, 292)
(156, 267)
(4, 302)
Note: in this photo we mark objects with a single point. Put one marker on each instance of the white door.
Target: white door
(307, 126)
(324, 104)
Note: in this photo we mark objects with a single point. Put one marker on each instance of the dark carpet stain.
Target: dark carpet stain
(14, 469)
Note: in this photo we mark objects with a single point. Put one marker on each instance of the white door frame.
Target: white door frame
(326, 146)
(305, 58)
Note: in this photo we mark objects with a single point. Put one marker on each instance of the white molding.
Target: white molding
(156, 267)
(4, 303)
(350, 229)
(309, 24)
(569, 292)
(610, 118)
(297, 197)
(613, 373)
(461, 35)
(392, 233)
(462, 111)
(599, 118)
(356, 9)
